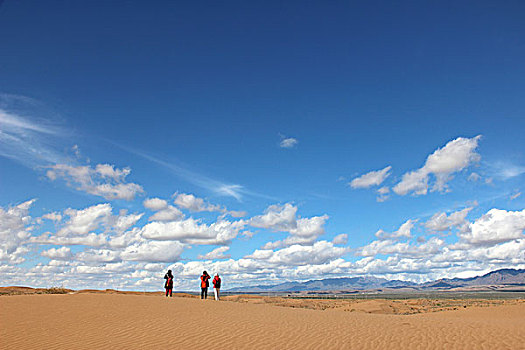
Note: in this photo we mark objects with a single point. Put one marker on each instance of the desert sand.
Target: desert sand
(134, 321)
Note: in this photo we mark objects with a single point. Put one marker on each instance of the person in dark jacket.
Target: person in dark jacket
(205, 284)
(169, 283)
(216, 286)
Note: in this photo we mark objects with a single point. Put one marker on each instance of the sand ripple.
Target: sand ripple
(99, 321)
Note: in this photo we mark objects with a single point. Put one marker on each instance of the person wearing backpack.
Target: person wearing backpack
(216, 286)
(169, 283)
(204, 285)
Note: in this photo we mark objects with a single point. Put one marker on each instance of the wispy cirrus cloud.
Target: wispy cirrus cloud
(215, 186)
(28, 140)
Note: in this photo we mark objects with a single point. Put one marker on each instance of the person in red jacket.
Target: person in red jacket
(216, 286)
(169, 283)
(204, 285)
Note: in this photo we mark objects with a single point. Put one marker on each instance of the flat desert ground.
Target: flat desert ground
(134, 321)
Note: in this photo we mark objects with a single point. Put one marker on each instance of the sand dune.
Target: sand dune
(119, 321)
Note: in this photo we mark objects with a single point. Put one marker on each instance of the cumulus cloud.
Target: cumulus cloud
(404, 231)
(15, 229)
(153, 251)
(92, 226)
(283, 218)
(306, 232)
(169, 214)
(103, 180)
(123, 221)
(53, 216)
(155, 204)
(383, 194)
(164, 212)
(99, 256)
(216, 254)
(85, 220)
(288, 142)
(444, 222)
(372, 178)
(389, 247)
(192, 231)
(195, 204)
(276, 218)
(62, 253)
(340, 239)
(318, 253)
(496, 226)
(455, 156)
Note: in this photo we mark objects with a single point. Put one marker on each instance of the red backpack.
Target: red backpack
(217, 282)
(169, 283)
(204, 281)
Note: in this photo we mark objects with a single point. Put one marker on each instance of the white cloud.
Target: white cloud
(306, 232)
(99, 256)
(392, 247)
(53, 216)
(234, 191)
(155, 204)
(218, 187)
(169, 214)
(30, 141)
(85, 220)
(455, 156)
(91, 239)
(276, 218)
(474, 177)
(15, 229)
(104, 180)
(237, 214)
(62, 253)
(505, 170)
(83, 226)
(383, 194)
(372, 178)
(512, 252)
(216, 254)
(164, 212)
(153, 251)
(288, 142)
(442, 222)
(283, 218)
(496, 226)
(195, 204)
(318, 253)
(404, 231)
(192, 231)
(122, 222)
(515, 195)
(340, 239)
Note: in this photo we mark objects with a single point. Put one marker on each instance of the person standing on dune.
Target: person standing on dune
(204, 284)
(216, 286)
(169, 283)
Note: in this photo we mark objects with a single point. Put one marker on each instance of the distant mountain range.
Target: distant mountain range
(499, 277)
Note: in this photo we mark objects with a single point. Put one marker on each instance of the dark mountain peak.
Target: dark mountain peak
(498, 277)
(512, 272)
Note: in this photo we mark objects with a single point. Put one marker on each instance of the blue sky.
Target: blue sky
(266, 141)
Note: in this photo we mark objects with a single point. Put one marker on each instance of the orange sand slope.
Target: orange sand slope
(114, 321)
